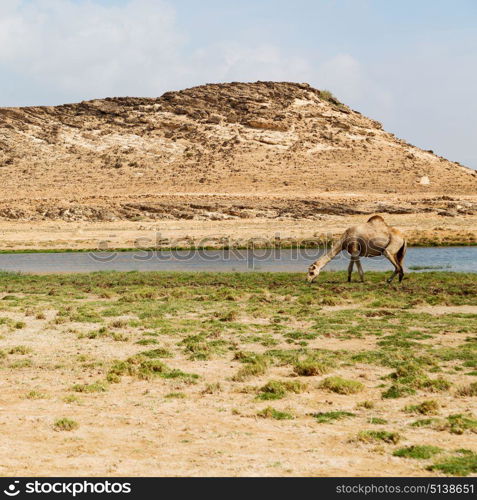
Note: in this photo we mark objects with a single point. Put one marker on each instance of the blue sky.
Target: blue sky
(410, 64)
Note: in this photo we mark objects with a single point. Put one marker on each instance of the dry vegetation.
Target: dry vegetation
(238, 374)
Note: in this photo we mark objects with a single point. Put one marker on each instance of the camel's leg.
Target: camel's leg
(350, 269)
(390, 280)
(401, 274)
(397, 267)
(400, 258)
(360, 270)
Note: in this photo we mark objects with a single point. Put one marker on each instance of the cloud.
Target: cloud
(56, 51)
(82, 50)
(90, 49)
(230, 61)
(352, 82)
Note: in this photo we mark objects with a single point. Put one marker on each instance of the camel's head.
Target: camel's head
(313, 273)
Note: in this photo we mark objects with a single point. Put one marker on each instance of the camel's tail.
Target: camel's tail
(402, 252)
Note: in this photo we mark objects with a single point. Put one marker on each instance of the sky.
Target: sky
(410, 64)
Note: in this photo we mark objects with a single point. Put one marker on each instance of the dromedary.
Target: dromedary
(372, 239)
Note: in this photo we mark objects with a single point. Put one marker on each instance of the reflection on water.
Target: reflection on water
(462, 259)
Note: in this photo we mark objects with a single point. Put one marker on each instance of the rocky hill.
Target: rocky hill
(219, 149)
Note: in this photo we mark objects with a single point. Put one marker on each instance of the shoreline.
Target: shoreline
(60, 236)
(207, 248)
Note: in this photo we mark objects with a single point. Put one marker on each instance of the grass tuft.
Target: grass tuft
(311, 368)
(418, 452)
(428, 407)
(90, 388)
(276, 389)
(468, 391)
(331, 416)
(270, 412)
(341, 385)
(65, 424)
(379, 436)
(463, 463)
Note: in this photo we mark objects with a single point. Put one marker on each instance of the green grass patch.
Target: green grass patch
(428, 407)
(36, 395)
(341, 385)
(198, 347)
(377, 421)
(270, 412)
(90, 388)
(276, 389)
(455, 424)
(379, 436)
(65, 424)
(463, 463)
(175, 395)
(311, 368)
(157, 353)
(423, 452)
(331, 416)
(146, 368)
(460, 423)
(147, 342)
(254, 366)
(424, 422)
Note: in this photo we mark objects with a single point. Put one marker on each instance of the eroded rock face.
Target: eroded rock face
(283, 140)
(424, 181)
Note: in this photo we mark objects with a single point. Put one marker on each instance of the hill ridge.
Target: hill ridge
(262, 139)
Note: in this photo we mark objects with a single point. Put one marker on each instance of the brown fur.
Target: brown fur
(372, 239)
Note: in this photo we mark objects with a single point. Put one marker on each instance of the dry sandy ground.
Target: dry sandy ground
(419, 228)
(132, 429)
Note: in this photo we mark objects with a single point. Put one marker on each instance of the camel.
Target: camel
(372, 239)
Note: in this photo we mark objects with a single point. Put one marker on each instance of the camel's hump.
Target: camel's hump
(377, 220)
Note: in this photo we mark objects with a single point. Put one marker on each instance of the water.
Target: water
(457, 259)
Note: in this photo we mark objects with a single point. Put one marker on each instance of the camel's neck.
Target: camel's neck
(330, 255)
